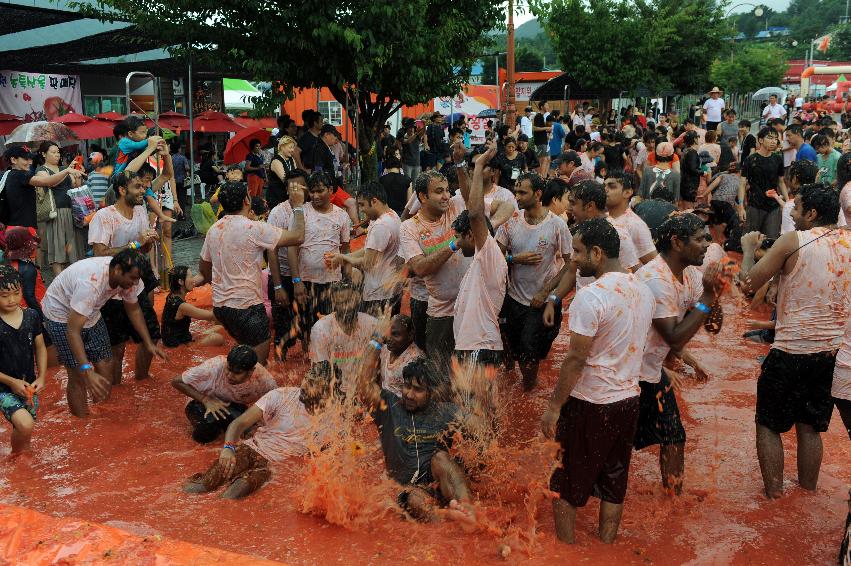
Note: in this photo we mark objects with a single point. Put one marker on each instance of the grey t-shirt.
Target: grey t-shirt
(729, 132)
(648, 182)
(411, 152)
(409, 440)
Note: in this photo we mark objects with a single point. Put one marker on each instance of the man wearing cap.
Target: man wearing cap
(19, 187)
(714, 108)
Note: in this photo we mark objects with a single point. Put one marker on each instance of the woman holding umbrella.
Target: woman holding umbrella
(60, 243)
(282, 163)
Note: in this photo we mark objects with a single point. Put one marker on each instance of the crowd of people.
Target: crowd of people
(616, 226)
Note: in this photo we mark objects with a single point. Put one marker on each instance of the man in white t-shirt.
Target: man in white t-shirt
(537, 244)
(619, 191)
(115, 228)
(73, 320)
(684, 298)
(774, 110)
(232, 260)
(526, 122)
(379, 258)
(594, 408)
(288, 427)
(714, 109)
(221, 389)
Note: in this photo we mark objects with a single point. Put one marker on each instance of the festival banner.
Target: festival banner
(472, 100)
(39, 96)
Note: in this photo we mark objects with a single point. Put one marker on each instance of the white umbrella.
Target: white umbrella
(34, 132)
(764, 93)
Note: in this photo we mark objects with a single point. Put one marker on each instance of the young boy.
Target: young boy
(21, 336)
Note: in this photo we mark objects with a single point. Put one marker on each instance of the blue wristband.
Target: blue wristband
(86, 367)
(453, 246)
(230, 447)
(296, 280)
(375, 344)
(508, 258)
(702, 308)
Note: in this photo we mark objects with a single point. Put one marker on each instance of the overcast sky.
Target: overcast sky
(776, 5)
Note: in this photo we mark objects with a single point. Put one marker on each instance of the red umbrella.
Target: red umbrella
(215, 122)
(111, 116)
(9, 123)
(237, 148)
(174, 121)
(86, 128)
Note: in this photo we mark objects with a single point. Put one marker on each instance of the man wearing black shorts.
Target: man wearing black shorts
(594, 409)
(683, 299)
(122, 226)
(794, 386)
(231, 260)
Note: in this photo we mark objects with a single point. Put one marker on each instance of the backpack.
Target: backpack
(4, 202)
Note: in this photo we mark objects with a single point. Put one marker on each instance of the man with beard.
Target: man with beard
(684, 298)
(121, 226)
(594, 408)
(537, 244)
(342, 337)
(794, 386)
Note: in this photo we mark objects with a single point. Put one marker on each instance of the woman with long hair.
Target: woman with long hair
(59, 242)
(690, 171)
(282, 163)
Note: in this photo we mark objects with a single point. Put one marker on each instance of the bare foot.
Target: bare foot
(462, 513)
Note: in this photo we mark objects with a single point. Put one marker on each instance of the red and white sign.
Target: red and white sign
(39, 96)
(470, 102)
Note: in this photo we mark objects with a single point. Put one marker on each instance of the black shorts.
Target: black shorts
(659, 416)
(283, 315)
(795, 388)
(118, 323)
(480, 357)
(596, 442)
(440, 339)
(527, 337)
(318, 303)
(419, 318)
(247, 326)
(844, 408)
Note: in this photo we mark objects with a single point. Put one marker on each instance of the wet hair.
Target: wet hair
(621, 176)
(232, 196)
(601, 233)
(508, 140)
(128, 260)
(821, 198)
(10, 278)
(795, 129)
(133, 123)
(805, 171)
(462, 225)
(764, 132)
(392, 162)
(680, 224)
(424, 180)
(595, 146)
(425, 372)
(538, 183)
(745, 124)
(373, 190)
(319, 178)
(455, 131)
(296, 174)
(406, 322)
(819, 140)
(120, 130)
(242, 357)
(662, 192)
(555, 189)
(146, 170)
(843, 171)
(175, 275)
(690, 138)
(591, 191)
(259, 206)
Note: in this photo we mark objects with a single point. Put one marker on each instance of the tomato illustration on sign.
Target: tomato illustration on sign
(56, 106)
(27, 97)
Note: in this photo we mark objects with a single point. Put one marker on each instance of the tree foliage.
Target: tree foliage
(372, 54)
(621, 45)
(750, 68)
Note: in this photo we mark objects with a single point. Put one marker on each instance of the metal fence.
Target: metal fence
(745, 107)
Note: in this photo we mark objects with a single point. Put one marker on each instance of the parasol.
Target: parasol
(174, 121)
(215, 122)
(237, 148)
(8, 123)
(84, 127)
(35, 132)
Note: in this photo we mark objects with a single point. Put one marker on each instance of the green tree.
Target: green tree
(751, 68)
(374, 55)
(840, 43)
(632, 43)
(528, 58)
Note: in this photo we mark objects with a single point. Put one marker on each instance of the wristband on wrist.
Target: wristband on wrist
(86, 367)
(702, 308)
(554, 299)
(298, 209)
(453, 246)
(278, 287)
(135, 245)
(508, 258)
(375, 344)
(229, 446)
(296, 280)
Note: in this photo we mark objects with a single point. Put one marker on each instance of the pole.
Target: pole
(191, 106)
(510, 110)
(496, 65)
